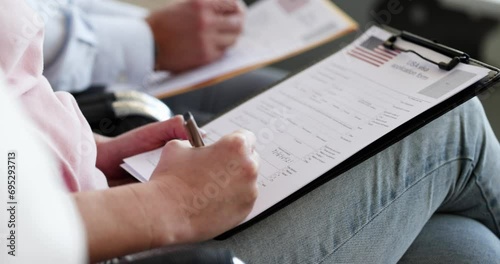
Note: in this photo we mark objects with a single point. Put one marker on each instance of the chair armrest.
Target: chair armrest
(187, 254)
(111, 114)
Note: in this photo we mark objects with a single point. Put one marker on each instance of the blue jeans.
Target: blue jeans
(382, 208)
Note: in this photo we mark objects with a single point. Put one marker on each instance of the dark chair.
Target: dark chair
(180, 255)
(113, 113)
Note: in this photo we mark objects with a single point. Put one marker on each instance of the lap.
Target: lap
(376, 210)
(453, 239)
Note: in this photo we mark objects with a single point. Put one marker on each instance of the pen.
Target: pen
(193, 131)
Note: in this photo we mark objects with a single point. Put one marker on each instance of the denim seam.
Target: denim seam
(389, 204)
(487, 202)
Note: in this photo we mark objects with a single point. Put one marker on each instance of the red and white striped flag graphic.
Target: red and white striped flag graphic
(373, 52)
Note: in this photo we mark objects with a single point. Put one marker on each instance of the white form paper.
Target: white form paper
(318, 118)
(273, 29)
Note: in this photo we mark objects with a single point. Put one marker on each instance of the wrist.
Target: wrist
(109, 216)
(169, 223)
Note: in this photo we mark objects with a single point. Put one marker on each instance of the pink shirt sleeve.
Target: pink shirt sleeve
(56, 115)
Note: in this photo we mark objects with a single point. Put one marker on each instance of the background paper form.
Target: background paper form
(274, 30)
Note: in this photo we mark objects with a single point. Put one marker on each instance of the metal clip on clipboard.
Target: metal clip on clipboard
(457, 56)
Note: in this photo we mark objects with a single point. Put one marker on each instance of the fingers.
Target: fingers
(174, 146)
(228, 29)
(242, 142)
(242, 6)
(251, 140)
(155, 135)
(255, 156)
(253, 161)
(166, 130)
(228, 15)
(225, 6)
(224, 41)
(193, 33)
(213, 54)
(229, 23)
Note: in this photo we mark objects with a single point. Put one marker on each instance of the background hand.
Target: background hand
(191, 33)
(112, 151)
(213, 188)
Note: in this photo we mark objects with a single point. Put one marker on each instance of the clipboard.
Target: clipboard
(492, 80)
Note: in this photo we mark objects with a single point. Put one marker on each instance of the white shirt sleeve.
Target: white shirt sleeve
(111, 7)
(95, 42)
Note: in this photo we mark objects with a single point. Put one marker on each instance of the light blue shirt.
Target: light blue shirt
(95, 42)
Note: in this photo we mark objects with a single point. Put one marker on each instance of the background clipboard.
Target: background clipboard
(491, 81)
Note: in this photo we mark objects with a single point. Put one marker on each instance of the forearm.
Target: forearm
(121, 221)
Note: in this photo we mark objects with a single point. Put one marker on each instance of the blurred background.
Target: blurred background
(469, 25)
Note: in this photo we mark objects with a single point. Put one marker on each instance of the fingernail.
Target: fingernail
(235, 21)
(203, 132)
